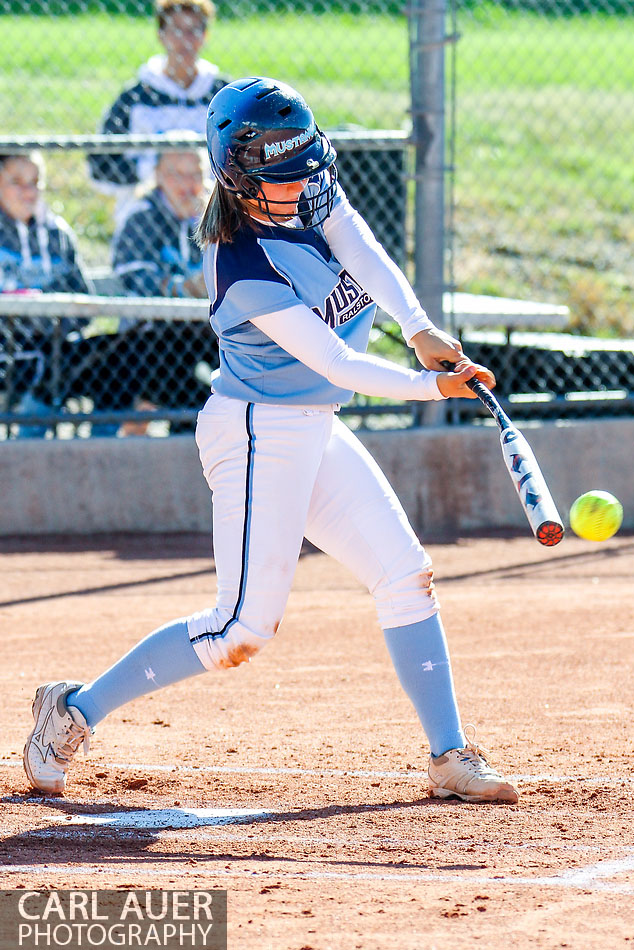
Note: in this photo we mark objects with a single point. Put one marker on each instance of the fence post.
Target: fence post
(427, 19)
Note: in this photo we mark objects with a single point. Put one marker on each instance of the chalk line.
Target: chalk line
(339, 773)
(591, 878)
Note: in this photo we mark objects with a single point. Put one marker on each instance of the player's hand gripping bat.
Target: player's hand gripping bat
(525, 473)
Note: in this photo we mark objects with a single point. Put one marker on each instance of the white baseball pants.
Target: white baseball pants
(279, 474)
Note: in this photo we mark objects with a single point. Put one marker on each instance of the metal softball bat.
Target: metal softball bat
(535, 498)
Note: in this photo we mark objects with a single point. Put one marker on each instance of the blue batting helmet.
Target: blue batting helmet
(261, 130)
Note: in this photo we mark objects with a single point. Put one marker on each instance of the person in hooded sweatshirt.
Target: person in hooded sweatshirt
(37, 253)
(155, 254)
(171, 91)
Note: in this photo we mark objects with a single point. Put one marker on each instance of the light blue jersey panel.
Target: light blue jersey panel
(271, 269)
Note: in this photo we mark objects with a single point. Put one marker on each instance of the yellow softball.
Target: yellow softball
(596, 516)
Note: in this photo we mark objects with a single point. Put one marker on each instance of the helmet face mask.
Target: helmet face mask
(261, 131)
(310, 208)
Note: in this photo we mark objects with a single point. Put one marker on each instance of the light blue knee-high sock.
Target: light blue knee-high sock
(165, 656)
(421, 660)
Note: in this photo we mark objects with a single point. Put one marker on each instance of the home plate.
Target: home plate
(171, 817)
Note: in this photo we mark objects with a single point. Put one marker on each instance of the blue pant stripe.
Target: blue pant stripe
(248, 509)
(246, 530)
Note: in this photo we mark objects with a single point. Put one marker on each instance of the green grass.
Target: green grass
(523, 51)
(353, 69)
(68, 69)
(544, 182)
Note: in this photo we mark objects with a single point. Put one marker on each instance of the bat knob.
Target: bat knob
(549, 533)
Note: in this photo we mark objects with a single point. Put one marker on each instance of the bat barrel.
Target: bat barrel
(536, 500)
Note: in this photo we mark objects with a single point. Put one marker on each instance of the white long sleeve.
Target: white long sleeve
(304, 336)
(355, 246)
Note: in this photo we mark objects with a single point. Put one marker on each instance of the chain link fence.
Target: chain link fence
(541, 190)
(535, 194)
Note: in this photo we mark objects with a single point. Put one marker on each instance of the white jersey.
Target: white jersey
(275, 268)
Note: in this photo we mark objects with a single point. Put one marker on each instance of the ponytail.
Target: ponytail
(222, 218)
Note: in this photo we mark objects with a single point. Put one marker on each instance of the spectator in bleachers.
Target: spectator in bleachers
(37, 252)
(155, 254)
(171, 91)
(37, 247)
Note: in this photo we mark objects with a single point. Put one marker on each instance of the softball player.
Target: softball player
(294, 275)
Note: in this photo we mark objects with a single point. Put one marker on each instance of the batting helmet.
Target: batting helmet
(260, 130)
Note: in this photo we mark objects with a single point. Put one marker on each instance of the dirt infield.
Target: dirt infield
(297, 782)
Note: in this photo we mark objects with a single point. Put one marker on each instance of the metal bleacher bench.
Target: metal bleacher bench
(479, 311)
(463, 312)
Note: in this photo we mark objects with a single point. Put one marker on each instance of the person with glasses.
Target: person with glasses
(38, 253)
(171, 91)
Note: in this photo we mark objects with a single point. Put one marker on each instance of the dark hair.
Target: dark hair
(7, 156)
(224, 215)
(33, 156)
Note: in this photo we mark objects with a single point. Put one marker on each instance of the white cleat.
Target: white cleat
(466, 774)
(58, 732)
